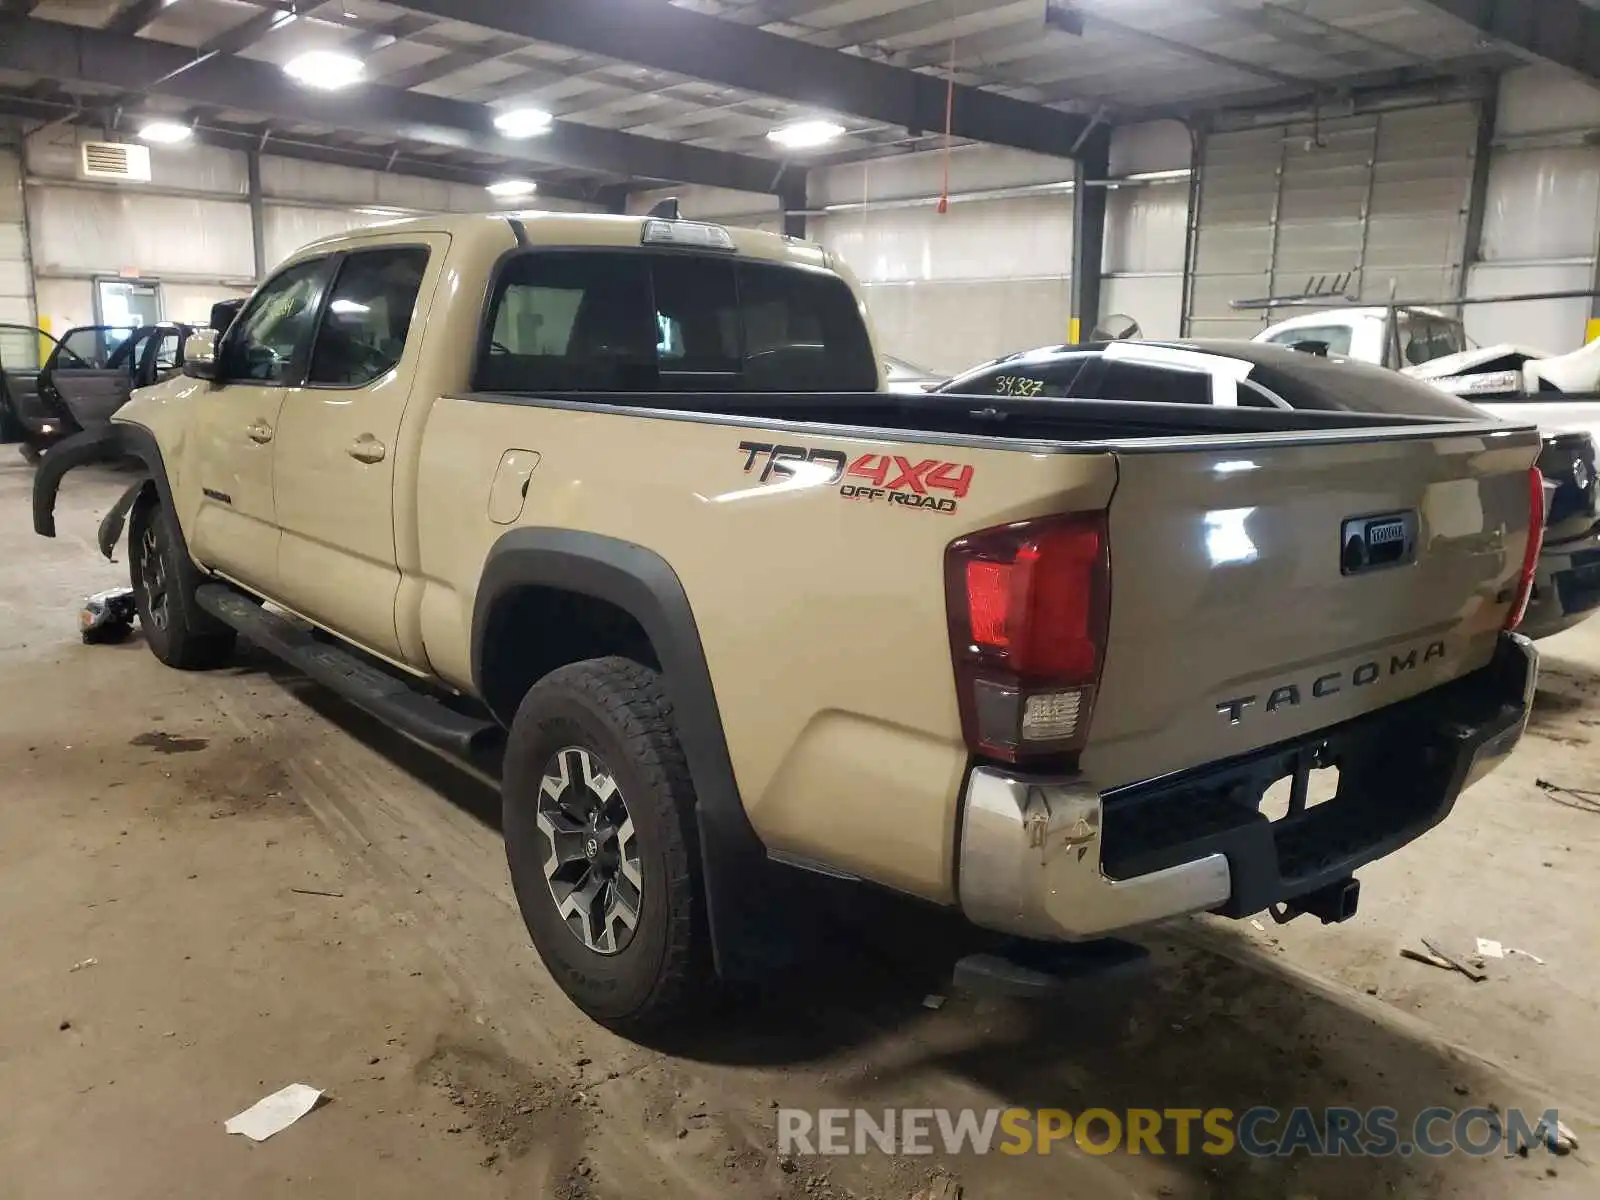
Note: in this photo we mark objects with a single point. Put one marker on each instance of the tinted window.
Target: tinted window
(1020, 375)
(671, 322)
(1154, 385)
(275, 328)
(364, 327)
(1337, 337)
(93, 346)
(1343, 385)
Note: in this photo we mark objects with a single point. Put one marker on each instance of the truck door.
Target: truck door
(264, 354)
(338, 444)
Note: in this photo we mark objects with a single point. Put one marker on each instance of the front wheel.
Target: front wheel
(600, 838)
(178, 631)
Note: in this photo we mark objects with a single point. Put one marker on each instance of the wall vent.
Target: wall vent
(115, 160)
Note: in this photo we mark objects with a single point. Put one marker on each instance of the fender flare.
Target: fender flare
(639, 581)
(119, 441)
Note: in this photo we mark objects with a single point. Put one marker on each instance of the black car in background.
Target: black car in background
(51, 388)
(1261, 375)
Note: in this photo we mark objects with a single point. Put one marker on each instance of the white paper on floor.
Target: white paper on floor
(275, 1113)
(1488, 948)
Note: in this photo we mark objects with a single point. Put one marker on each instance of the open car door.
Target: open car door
(91, 373)
(23, 415)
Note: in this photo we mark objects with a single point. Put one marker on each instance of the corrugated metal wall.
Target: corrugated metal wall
(951, 290)
(1382, 196)
(189, 227)
(16, 283)
(1542, 223)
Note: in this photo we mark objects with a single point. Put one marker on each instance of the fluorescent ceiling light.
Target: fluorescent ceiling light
(380, 211)
(805, 135)
(165, 132)
(512, 187)
(326, 70)
(523, 122)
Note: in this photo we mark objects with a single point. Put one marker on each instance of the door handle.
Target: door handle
(367, 449)
(260, 433)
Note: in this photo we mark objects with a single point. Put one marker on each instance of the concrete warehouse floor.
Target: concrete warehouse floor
(160, 824)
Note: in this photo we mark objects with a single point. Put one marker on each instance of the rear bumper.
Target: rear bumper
(1054, 859)
(1566, 586)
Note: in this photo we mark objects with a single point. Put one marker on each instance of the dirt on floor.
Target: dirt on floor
(214, 885)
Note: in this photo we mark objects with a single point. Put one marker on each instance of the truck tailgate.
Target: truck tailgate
(1264, 590)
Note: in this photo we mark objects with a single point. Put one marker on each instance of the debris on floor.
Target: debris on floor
(107, 616)
(942, 1188)
(1580, 798)
(1431, 955)
(87, 962)
(934, 1001)
(275, 1113)
(1489, 948)
(1561, 1140)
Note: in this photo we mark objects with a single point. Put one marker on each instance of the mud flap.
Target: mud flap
(111, 524)
(98, 445)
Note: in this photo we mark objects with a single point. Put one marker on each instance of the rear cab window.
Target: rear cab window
(651, 320)
(1337, 338)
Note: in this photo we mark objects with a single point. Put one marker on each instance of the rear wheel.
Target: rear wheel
(179, 632)
(601, 843)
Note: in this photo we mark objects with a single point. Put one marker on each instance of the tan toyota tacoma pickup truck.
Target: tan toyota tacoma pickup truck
(620, 504)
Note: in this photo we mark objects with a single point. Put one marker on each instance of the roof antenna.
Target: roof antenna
(666, 210)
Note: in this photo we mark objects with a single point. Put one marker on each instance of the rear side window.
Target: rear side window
(582, 321)
(367, 317)
(1154, 385)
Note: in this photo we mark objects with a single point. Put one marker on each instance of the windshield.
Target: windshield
(604, 321)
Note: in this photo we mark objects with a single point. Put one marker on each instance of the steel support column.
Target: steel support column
(792, 195)
(1478, 195)
(258, 213)
(1089, 195)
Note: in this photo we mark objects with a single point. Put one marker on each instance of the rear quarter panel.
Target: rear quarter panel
(822, 617)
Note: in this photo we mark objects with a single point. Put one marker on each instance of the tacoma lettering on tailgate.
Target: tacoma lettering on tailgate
(1292, 695)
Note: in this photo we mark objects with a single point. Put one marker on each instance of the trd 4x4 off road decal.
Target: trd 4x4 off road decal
(891, 478)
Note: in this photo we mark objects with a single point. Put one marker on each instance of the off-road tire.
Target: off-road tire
(180, 633)
(617, 711)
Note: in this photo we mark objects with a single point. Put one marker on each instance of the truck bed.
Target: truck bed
(1022, 419)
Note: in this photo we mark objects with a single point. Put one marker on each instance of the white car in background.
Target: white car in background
(1557, 391)
(901, 376)
(1560, 393)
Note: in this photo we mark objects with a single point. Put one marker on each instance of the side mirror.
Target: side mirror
(200, 355)
(223, 312)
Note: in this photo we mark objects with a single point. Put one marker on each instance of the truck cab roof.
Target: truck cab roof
(495, 232)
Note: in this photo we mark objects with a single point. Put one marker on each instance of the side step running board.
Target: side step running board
(384, 696)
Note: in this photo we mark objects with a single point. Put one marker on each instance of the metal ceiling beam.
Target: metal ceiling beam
(34, 109)
(130, 16)
(148, 67)
(1563, 32)
(668, 38)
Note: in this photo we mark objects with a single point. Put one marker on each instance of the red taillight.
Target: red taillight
(1028, 606)
(1530, 556)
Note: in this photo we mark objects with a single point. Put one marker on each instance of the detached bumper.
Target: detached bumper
(1054, 859)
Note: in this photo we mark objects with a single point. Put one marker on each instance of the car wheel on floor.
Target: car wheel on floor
(600, 837)
(178, 631)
